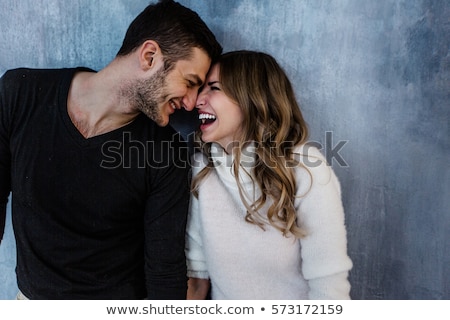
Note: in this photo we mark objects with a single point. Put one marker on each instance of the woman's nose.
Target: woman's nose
(200, 101)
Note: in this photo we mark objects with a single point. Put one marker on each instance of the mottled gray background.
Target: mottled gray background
(373, 80)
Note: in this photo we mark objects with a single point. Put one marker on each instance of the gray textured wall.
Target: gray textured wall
(375, 75)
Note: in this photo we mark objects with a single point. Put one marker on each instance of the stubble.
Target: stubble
(147, 95)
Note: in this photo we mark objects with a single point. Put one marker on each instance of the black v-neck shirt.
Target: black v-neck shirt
(96, 218)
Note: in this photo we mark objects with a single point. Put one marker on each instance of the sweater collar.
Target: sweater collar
(223, 163)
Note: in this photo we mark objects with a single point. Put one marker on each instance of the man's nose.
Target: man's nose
(189, 101)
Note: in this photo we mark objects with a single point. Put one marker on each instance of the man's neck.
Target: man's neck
(94, 105)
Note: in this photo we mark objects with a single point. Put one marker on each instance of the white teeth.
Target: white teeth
(202, 116)
(173, 105)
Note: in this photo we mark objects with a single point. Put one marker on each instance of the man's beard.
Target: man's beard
(147, 95)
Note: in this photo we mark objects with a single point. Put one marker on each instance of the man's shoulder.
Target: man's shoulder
(27, 78)
(36, 74)
(16, 75)
(23, 73)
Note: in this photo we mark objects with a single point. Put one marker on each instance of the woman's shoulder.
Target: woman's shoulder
(313, 163)
(309, 155)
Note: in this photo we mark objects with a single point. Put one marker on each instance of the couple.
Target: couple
(262, 224)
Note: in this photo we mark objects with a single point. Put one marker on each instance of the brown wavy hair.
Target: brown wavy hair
(273, 122)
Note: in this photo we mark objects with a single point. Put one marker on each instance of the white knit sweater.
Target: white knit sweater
(245, 262)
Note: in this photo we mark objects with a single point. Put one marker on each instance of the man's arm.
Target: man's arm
(2, 221)
(165, 226)
(5, 156)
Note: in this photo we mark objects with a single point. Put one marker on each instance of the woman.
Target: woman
(266, 218)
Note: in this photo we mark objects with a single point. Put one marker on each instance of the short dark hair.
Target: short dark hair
(175, 28)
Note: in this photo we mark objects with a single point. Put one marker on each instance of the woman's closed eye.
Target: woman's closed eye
(213, 85)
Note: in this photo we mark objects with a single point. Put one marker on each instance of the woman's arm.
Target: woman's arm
(325, 262)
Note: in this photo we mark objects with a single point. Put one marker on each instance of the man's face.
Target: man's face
(165, 91)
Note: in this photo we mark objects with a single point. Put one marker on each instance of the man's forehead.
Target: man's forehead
(196, 67)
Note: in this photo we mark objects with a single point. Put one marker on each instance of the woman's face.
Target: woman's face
(220, 116)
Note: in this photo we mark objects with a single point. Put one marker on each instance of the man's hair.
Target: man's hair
(175, 28)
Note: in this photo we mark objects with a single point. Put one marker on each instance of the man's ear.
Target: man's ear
(149, 54)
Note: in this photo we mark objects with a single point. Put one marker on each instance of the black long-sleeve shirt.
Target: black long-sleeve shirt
(96, 218)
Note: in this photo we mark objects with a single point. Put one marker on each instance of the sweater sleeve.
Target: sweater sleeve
(196, 262)
(325, 263)
(332, 287)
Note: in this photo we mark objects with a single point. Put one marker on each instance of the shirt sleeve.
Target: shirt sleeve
(196, 262)
(325, 263)
(5, 156)
(165, 226)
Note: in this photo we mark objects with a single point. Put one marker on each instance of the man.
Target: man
(99, 182)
